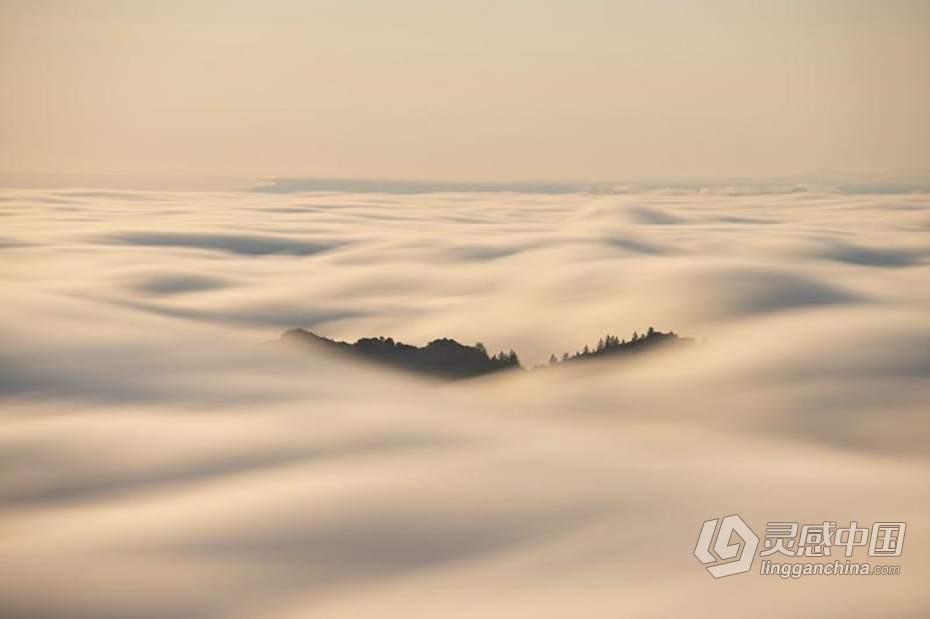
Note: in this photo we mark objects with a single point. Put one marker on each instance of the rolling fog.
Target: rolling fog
(161, 458)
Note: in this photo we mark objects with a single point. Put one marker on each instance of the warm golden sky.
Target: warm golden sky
(562, 89)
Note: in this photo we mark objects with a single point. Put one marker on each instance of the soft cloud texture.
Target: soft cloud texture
(160, 458)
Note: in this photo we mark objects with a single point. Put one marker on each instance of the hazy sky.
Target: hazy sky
(561, 89)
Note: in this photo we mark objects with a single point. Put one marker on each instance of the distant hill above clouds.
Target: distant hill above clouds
(830, 182)
(443, 358)
(449, 359)
(294, 185)
(613, 346)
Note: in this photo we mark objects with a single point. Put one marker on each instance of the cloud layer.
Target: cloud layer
(159, 458)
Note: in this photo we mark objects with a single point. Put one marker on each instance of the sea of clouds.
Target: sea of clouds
(160, 458)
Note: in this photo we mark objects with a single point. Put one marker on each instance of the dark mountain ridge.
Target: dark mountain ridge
(447, 358)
